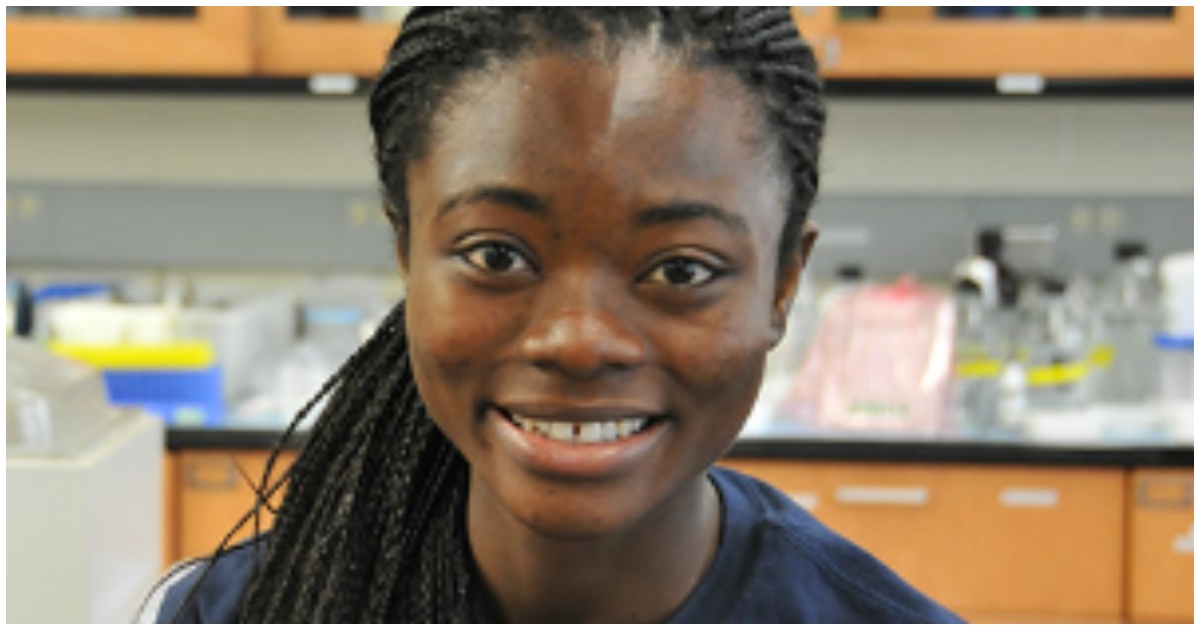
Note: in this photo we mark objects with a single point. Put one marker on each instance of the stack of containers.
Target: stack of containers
(1175, 343)
(178, 381)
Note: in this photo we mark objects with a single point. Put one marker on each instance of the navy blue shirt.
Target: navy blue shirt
(775, 564)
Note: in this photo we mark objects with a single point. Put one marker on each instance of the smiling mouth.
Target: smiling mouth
(580, 432)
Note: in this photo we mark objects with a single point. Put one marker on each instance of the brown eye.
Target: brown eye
(682, 272)
(496, 258)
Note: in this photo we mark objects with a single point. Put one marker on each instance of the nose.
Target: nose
(582, 337)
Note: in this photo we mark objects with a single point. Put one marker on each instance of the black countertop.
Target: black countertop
(831, 448)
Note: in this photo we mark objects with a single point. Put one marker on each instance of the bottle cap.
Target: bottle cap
(850, 272)
(1124, 250)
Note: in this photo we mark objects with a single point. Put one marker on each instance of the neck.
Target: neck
(640, 574)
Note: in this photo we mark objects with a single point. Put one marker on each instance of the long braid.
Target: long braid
(357, 509)
(372, 525)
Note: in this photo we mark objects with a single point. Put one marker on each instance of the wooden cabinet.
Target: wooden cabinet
(1161, 558)
(214, 492)
(170, 486)
(993, 543)
(911, 42)
(899, 43)
(213, 41)
(300, 46)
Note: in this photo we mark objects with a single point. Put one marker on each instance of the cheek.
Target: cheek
(450, 341)
(722, 365)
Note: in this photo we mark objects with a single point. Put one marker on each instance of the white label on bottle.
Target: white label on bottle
(1029, 497)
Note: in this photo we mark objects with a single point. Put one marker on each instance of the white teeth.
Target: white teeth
(582, 432)
(561, 431)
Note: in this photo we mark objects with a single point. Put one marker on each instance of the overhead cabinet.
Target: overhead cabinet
(884, 43)
(194, 41)
(918, 43)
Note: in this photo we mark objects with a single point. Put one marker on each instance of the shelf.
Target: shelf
(341, 84)
(848, 449)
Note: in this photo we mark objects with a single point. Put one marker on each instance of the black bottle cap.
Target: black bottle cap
(1053, 286)
(850, 272)
(990, 242)
(1124, 250)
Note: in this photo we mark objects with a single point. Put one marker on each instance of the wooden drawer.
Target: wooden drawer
(1028, 542)
(214, 495)
(1161, 560)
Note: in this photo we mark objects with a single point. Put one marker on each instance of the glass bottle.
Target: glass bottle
(1129, 321)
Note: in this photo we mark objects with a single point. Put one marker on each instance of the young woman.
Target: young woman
(601, 218)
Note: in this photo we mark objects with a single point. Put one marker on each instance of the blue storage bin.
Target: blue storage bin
(181, 397)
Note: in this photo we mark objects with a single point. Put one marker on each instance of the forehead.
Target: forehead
(643, 119)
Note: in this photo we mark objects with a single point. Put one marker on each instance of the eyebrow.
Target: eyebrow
(525, 201)
(502, 195)
(689, 211)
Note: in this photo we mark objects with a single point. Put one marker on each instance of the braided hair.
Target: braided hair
(372, 525)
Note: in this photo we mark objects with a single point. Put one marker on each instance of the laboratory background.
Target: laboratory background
(987, 379)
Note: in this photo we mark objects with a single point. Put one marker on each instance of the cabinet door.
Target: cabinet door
(207, 41)
(916, 43)
(1161, 558)
(299, 44)
(171, 491)
(216, 493)
(989, 542)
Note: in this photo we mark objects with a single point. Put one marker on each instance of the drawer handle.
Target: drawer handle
(211, 475)
(882, 495)
(806, 500)
(1185, 544)
(1029, 497)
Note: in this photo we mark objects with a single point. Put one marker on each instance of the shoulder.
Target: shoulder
(801, 570)
(206, 590)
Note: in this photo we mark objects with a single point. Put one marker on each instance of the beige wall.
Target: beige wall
(992, 146)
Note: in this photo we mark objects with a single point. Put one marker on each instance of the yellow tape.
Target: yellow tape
(178, 355)
(1052, 375)
(1102, 355)
(978, 368)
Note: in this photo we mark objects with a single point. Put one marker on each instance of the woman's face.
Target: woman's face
(592, 282)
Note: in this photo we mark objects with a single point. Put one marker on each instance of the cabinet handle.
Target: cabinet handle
(210, 475)
(882, 495)
(1185, 544)
(806, 500)
(1029, 497)
(1165, 493)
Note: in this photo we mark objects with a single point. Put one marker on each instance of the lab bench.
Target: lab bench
(997, 530)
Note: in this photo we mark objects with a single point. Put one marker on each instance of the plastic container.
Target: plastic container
(1177, 285)
(1129, 317)
(1176, 367)
(179, 383)
(1176, 356)
(977, 360)
(1054, 349)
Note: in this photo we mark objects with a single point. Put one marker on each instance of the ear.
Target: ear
(788, 281)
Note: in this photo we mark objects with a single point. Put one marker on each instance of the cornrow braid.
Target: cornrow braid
(372, 524)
